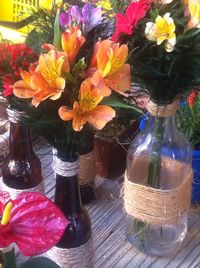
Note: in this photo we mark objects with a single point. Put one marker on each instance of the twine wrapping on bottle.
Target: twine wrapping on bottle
(80, 257)
(87, 170)
(157, 206)
(64, 168)
(14, 115)
(15, 192)
(162, 110)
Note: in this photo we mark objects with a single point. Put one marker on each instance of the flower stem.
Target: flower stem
(155, 158)
(7, 260)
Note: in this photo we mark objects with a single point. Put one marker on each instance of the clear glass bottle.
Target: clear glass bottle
(158, 157)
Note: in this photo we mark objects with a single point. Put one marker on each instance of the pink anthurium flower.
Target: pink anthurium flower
(31, 221)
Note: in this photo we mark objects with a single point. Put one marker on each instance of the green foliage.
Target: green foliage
(189, 122)
(57, 33)
(166, 74)
(119, 5)
(115, 101)
(43, 31)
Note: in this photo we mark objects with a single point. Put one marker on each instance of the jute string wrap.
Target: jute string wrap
(14, 115)
(63, 168)
(157, 206)
(162, 110)
(87, 171)
(80, 257)
(15, 192)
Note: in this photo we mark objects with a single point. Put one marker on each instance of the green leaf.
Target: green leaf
(70, 78)
(115, 101)
(39, 262)
(57, 34)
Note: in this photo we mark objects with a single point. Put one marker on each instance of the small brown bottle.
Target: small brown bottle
(21, 169)
(75, 247)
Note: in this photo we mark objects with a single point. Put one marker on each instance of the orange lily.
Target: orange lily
(71, 42)
(108, 68)
(194, 10)
(87, 109)
(45, 82)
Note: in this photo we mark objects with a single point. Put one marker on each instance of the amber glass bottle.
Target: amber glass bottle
(67, 198)
(21, 169)
(75, 247)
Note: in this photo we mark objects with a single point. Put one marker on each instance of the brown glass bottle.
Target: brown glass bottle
(67, 198)
(21, 169)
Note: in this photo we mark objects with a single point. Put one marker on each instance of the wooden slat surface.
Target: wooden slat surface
(108, 224)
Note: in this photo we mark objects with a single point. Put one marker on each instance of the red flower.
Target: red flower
(126, 23)
(31, 221)
(191, 99)
(8, 82)
(13, 58)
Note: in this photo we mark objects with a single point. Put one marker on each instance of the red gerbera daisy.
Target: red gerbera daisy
(126, 23)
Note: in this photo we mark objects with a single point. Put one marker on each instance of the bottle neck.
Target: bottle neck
(20, 141)
(67, 195)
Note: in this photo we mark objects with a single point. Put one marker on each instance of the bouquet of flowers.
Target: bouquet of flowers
(163, 37)
(68, 84)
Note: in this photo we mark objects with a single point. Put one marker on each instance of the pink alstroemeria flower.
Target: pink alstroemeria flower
(31, 221)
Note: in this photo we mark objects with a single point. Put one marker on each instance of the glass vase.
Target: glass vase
(158, 184)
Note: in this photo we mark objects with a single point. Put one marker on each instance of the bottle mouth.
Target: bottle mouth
(162, 110)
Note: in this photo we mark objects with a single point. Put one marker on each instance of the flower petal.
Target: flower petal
(121, 80)
(36, 224)
(22, 90)
(65, 114)
(100, 85)
(100, 115)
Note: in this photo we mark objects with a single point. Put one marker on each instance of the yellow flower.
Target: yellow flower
(105, 4)
(162, 30)
(48, 4)
(194, 9)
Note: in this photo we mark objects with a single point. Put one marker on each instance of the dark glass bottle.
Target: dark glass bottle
(21, 169)
(67, 198)
(87, 170)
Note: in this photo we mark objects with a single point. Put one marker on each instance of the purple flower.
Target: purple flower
(73, 15)
(89, 17)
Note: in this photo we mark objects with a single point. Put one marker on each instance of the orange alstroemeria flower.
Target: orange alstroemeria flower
(71, 41)
(87, 109)
(108, 69)
(45, 82)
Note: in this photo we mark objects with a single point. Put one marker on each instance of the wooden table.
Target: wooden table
(108, 219)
